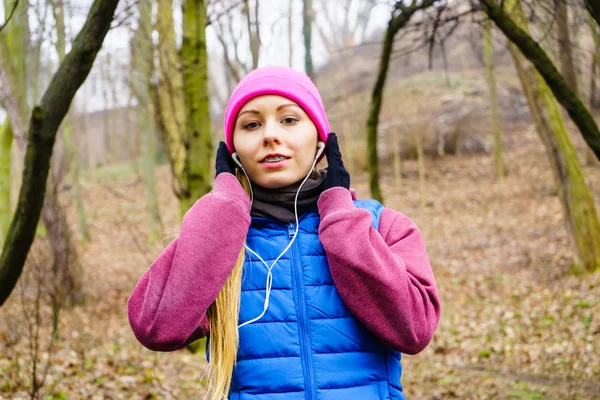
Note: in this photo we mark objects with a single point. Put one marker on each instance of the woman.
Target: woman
(304, 291)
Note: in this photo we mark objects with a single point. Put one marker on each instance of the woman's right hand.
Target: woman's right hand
(224, 162)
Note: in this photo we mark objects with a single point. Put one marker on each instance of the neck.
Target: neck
(278, 203)
(283, 189)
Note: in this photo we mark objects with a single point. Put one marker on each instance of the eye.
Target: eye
(251, 125)
(290, 120)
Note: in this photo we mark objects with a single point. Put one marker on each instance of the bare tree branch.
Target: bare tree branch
(216, 17)
(397, 21)
(579, 114)
(9, 15)
(434, 30)
(128, 10)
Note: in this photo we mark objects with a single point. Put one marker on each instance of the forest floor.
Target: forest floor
(516, 324)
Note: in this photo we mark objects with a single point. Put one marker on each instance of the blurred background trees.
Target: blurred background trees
(412, 88)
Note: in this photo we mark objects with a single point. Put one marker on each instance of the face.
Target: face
(275, 140)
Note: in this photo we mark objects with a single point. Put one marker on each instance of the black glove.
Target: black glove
(224, 162)
(337, 174)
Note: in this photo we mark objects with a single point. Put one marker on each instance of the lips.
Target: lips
(276, 165)
(274, 155)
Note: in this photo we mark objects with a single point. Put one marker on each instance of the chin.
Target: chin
(276, 182)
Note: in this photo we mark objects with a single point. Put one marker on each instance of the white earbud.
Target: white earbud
(321, 147)
(236, 159)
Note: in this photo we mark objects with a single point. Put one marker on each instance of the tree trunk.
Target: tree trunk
(81, 213)
(106, 115)
(148, 147)
(44, 123)
(18, 44)
(596, 38)
(253, 32)
(6, 139)
(65, 267)
(257, 41)
(488, 56)
(54, 218)
(421, 164)
(579, 114)
(170, 95)
(307, 12)
(373, 120)
(9, 94)
(394, 25)
(290, 30)
(143, 61)
(565, 52)
(593, 7)
(578, 205)
(117, 150)
(590, 157)
(194, 60)
(72, 155)
(90, 149)
(16, 37)
(36, 62)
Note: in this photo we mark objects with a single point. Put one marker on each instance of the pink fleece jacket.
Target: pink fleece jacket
(384, 277)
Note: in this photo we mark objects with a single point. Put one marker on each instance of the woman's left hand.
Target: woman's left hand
(337, 174)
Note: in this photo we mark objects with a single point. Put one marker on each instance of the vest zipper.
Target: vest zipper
(301, 307)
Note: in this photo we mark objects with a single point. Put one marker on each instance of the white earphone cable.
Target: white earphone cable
(269, 281)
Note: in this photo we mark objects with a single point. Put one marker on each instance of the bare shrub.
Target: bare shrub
(31, 326)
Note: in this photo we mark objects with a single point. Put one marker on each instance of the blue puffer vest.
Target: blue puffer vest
(308, 345)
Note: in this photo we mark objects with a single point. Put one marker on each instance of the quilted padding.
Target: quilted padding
(307, 345)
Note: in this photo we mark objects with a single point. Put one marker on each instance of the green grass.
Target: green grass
(524, 392)
(114, 172)
(120, 171)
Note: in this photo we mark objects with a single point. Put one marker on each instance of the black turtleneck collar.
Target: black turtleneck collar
(278, 204)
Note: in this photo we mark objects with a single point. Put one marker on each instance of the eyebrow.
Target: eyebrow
(278, 108)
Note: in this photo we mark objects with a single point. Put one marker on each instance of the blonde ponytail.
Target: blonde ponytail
(224, 317)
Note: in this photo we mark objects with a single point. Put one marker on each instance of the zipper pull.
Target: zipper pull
(291, 230)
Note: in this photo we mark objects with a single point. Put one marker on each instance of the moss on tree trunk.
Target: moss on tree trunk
(579, 211)
(6, 139)
(194, 62)
(488, 56)
(579, 114)
(399, 18)
(170, 96)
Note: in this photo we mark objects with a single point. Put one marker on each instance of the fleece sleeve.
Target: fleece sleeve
(167, 309)
(384, 276)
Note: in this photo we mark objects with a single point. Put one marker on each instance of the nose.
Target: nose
(271, 133)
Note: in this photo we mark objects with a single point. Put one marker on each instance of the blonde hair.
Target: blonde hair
(224, 317)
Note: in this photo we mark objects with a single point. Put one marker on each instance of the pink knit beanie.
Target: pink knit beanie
(283, 81)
